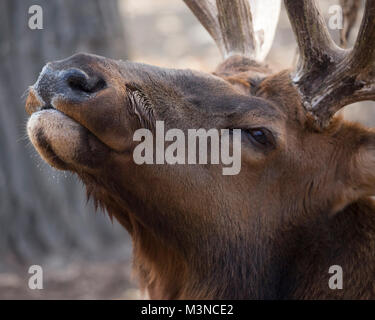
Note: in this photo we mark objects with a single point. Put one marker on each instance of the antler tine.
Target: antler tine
(354, 79)
(230, 23)
(314, 41)
(207, 14)
(236, 24)
(328, 77)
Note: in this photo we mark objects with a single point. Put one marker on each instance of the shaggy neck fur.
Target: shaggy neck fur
(291, 264)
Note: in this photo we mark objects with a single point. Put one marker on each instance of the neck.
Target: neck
(292, 263)
(216, 269)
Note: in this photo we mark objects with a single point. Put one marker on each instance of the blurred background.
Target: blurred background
(44, 215)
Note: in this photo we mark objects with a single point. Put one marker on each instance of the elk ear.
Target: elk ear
(358, 175)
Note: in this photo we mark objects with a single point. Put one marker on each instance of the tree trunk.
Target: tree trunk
(43, 212)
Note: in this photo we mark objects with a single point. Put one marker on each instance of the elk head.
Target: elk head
(198, 233)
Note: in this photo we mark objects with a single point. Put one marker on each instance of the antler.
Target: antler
(234, 27)
(328, 77)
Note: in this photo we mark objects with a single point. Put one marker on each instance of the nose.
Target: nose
(78, 81)
(72, 83)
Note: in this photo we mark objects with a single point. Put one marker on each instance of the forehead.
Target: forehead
(258, 80)
(279, 90)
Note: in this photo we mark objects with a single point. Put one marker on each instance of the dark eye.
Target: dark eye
(260, 136)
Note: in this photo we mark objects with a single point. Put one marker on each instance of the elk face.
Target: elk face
(84, 112)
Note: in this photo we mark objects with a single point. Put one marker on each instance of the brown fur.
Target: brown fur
(297, 207)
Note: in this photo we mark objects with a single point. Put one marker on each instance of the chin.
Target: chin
(63, 143)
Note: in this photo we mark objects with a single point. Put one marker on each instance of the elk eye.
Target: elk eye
(260, 136)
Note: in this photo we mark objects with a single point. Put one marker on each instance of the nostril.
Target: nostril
(78, 80)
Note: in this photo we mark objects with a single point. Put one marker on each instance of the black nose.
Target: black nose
(72, 83)
(79, 81)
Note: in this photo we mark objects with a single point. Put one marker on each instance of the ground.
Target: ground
(99, 280)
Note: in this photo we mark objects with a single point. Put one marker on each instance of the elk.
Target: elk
(302, 200)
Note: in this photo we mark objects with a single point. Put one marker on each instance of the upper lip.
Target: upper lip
(33, 101)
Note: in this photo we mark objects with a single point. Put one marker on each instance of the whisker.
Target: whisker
(25, 94)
